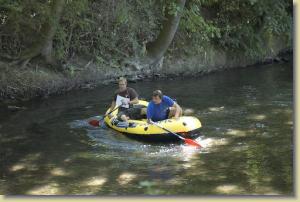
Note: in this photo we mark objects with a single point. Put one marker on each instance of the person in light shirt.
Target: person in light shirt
(125, 97)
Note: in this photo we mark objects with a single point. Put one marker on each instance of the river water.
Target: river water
(247, 134)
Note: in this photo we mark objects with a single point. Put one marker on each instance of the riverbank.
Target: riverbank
(36, 80)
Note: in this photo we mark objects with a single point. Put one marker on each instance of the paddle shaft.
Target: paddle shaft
(168, 130)
(110, 112)
(186, 140)
(96, 123)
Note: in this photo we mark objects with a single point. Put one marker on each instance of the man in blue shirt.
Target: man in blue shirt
(162, 107)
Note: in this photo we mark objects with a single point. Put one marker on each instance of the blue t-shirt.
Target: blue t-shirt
(158, 112)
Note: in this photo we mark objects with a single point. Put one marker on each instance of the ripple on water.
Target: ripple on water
(120, 144)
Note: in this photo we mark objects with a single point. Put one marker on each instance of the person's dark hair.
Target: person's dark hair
(122, 79)
(157, 93)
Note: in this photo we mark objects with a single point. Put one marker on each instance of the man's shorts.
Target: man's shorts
(133, 113)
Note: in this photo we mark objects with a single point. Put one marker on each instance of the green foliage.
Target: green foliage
(113, 30)
(67, 38)
(173, 8)
(20, 23)
(197, 30)
(107, 29)
(241, 25)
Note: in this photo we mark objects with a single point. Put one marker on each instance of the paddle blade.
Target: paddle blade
(192, 142)
(94, 123)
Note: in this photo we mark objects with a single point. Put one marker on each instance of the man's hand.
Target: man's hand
(175, 117)
(107, 112)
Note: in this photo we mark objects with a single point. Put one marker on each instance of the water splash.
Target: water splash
(122, 145)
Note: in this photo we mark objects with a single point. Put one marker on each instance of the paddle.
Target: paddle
(96, 123)
(186, 140)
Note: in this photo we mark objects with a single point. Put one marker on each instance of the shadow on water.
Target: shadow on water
(48, 148)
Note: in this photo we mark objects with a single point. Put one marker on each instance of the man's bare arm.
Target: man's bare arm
(177, 110)
(112, 106)
(134, 101)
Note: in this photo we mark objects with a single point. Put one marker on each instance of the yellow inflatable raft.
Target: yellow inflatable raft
(186, 126)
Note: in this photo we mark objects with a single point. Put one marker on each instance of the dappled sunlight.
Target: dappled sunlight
(160, 169)
(236, 133)
(26, 163)
(95, 181)
(17, 167)
(91, 185)
(68, 160)
(216, 109)
(188, 112)
(256, 117)
(240, 147)
(48, 189)
(59, 172)
(150, 187)
(125, 178)
(229, 189)
(190, 154)
(212, 142)
(285, 111)
(288, 111)
(32, 157)
(187, 164)
(12, 138)
(174, 181)
(266, 190)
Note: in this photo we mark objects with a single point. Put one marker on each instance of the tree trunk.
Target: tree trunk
(43, 46)
(57, 9)
(157, 48)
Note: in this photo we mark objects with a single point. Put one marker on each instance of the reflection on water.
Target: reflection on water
(247, 134)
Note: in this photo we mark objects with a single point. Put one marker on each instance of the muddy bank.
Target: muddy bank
(20, 84)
